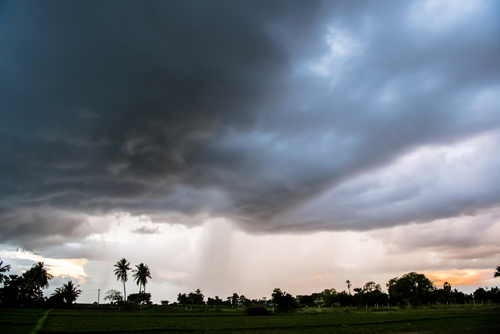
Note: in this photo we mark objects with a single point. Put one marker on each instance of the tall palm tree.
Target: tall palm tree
(3, 270)
(141, 275)
(497, 273)
(38, 277)
(348, 285)
(122, 267)
(69, 292)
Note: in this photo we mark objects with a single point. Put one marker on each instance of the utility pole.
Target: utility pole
(98, 295)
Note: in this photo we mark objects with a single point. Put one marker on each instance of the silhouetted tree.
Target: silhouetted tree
(37, 278)
(234, 299)
(182, 299)
(497, 273)
(494, 295)
(3, 270)
(122, 267)
(114, 296)
(196, 297)
(447, 287)
(411, 287)
(329, 297)
(306, 300)
(284, 301)
(348, 286)
(68, 292)
(214, 301)
(480, 295)
(55, 300)
(344, 298)
(371, 286)
(193, 298)
(141, 275)
(141, 298)
(15, 292)
(244, 300)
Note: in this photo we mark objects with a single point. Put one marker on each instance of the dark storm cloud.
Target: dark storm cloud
(35, 229)
(247, 110)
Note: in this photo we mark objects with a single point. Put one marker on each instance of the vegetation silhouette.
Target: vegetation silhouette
(3, 270)
(114, 296)
(283, 301)
(122, 267)
(411, 289)
(193, 298)
(141, 275)
(38, 277)
(68, 292)
(348, 282)
(141, 298)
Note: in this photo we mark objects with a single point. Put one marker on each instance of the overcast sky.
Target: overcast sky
(238, 146)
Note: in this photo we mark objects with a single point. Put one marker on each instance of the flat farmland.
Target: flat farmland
(169, 320)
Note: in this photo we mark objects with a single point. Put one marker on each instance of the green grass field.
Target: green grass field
(468, 319)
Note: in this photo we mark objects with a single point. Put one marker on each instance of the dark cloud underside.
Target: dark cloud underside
(248, 110)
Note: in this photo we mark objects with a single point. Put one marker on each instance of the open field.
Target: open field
(468, 319)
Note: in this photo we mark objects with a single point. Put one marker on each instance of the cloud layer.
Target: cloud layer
(280, 116)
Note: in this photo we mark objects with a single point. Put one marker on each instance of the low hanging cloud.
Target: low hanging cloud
(281, 116)
(146, 230)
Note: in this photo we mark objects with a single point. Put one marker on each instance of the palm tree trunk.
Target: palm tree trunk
(124, 293)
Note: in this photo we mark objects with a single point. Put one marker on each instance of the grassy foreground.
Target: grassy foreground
(478, 319)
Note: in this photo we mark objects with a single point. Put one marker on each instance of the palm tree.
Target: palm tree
(122, 267)
(497, 273)
(3, 270)
(348, 285)
(141, 275)
(69, 292)
(38, 277)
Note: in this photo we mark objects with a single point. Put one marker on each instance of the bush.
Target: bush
(141, 298)
(256, 310)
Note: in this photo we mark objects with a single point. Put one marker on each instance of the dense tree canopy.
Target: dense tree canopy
(284, 301)
(411, 287)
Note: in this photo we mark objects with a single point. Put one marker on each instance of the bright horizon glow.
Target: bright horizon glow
(214, 257)
(57, 267)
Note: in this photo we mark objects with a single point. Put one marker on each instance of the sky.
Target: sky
(240, 146)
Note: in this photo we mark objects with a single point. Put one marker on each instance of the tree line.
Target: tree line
(410, 289)
(26, 290)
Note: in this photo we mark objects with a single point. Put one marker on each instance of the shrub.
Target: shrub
(256, 310)
(141, 298)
